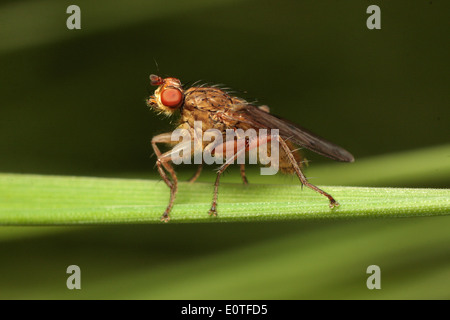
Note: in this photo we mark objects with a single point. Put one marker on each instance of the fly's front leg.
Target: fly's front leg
(162, 163)
(162, 138)
(301, 176)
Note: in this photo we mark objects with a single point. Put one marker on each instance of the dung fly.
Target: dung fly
(218, 109)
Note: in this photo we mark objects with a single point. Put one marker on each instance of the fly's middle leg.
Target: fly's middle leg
(243, 176)
(240, 147)
(213, 210)
(196, 174)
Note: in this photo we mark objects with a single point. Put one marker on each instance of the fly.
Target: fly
(217, 109)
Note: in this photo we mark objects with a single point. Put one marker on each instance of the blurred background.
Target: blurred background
(73, 103)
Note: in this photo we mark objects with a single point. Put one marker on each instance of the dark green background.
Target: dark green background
(72, 102)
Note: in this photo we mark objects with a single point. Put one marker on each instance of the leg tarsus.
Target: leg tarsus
(213, 211)
(333, 203)
(165, 217)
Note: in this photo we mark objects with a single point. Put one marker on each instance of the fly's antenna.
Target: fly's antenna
(156, 64)
(157, 68)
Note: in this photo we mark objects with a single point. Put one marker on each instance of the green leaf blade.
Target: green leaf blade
(60, 200)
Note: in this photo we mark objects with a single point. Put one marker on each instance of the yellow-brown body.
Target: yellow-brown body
(216, 109)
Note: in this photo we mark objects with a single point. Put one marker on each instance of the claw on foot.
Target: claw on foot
(213, 211)
(165, 218)
(333, 204)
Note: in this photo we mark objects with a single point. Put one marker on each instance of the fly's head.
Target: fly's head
(168, 97)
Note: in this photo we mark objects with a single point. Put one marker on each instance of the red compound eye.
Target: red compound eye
(171, 97)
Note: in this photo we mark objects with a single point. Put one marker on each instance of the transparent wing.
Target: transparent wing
(258, 118)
